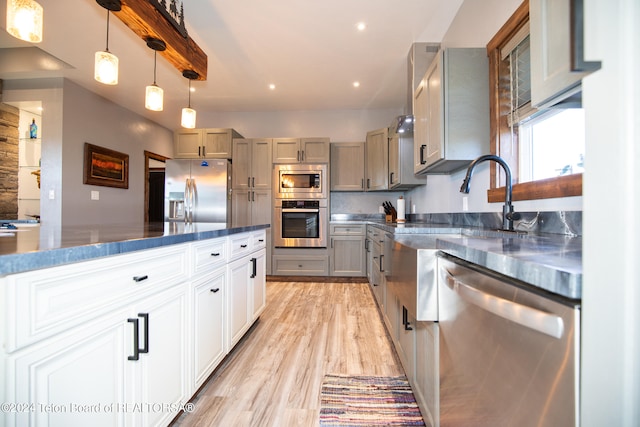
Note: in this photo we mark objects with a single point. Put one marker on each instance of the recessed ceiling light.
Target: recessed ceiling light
(272, 86)
(356, 84)
(361, 26)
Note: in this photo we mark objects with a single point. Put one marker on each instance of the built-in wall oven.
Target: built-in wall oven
(300, 223)
(300, 181)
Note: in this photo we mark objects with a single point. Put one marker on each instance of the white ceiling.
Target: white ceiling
(310, 49)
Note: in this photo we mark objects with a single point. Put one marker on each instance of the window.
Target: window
(545, 148)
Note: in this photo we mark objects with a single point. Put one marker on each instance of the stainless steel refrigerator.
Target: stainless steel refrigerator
(198, 190)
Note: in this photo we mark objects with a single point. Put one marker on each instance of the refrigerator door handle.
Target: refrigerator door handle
(193, 199)
(186, 200)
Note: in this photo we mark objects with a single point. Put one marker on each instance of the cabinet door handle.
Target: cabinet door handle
(248, 181)
(368, 183)
(199, 148)
(253, 182)
(254, 268)
(215, 254)
(405, 319)
(140, 278)
(381, 267)
(331, 244)
(204, 151)
(145, 317)
(248, 196)
(215, 290)
(136, 353)
(362, 183)
(391, 177)
(422, 160)
(253, 196)
(302, 156)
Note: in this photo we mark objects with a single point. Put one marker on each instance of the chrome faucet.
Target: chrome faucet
(508, 215)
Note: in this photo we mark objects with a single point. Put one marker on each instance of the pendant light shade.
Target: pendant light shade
(188, 118)
(24, 20)
(189, 114)
(106, 68)
(153, 99)
(106, 63)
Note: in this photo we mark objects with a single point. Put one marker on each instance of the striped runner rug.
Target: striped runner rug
(368, 401)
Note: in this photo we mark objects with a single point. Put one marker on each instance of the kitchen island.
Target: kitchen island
(120, 325)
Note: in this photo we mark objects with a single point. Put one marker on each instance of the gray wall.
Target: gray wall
(72, 116)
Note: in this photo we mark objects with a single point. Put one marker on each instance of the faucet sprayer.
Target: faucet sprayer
(508, 215)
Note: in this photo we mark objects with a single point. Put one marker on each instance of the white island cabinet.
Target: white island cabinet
(126, 339)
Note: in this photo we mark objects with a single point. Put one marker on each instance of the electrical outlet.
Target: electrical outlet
(465, 203)
(95, 195)
(52, 194)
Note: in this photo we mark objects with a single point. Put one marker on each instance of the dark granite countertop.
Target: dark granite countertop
(552, 262)
(32, 246)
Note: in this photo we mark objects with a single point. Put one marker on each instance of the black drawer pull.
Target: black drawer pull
(260, 240)
(215, 290)
(215, 254)
(140, 278)
(136, 353)
(243, 246)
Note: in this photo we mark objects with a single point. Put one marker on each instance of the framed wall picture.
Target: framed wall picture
(105, 167)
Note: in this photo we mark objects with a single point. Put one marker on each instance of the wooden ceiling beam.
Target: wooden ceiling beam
(142, 17)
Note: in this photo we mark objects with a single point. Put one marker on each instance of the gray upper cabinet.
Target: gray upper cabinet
(377, 164)
(212, 143)
(554, 44)
(347, 166)
(451, 109)
(401, 174)
(251, 182)
(300, 150)
(251, 164)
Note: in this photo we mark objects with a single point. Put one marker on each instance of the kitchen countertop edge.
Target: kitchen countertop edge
(38, 259)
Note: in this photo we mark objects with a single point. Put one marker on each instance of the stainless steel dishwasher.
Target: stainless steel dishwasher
(509, 352)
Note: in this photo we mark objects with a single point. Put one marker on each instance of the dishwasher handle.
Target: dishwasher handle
(546, 323)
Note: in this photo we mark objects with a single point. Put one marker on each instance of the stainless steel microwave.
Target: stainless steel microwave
(300, 181)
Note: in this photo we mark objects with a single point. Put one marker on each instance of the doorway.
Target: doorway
(154, 165)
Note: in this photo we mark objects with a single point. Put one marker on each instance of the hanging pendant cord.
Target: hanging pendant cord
(155, 55)
(107, 49)
(189, 93)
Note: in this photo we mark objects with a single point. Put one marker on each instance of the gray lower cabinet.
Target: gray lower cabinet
(347, 255)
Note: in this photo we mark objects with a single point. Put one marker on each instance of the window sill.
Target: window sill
(563, 186)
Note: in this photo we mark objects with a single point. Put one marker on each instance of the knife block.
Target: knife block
(390, 218)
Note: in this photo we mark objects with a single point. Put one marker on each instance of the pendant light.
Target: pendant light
(24, 20)
(106, 63)
(189, 114)
(154, 93)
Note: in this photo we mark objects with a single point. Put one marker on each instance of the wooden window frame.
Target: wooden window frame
(503, 142)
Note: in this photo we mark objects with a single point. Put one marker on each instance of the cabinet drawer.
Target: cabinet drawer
(46, 302)
(347, 229)
(239, 245)
(210, 254)
(301, 265)
(259, 240)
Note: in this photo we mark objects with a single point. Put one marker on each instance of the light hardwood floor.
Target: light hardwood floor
(308, 329)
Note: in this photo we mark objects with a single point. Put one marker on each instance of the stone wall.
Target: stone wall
(9, 138)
